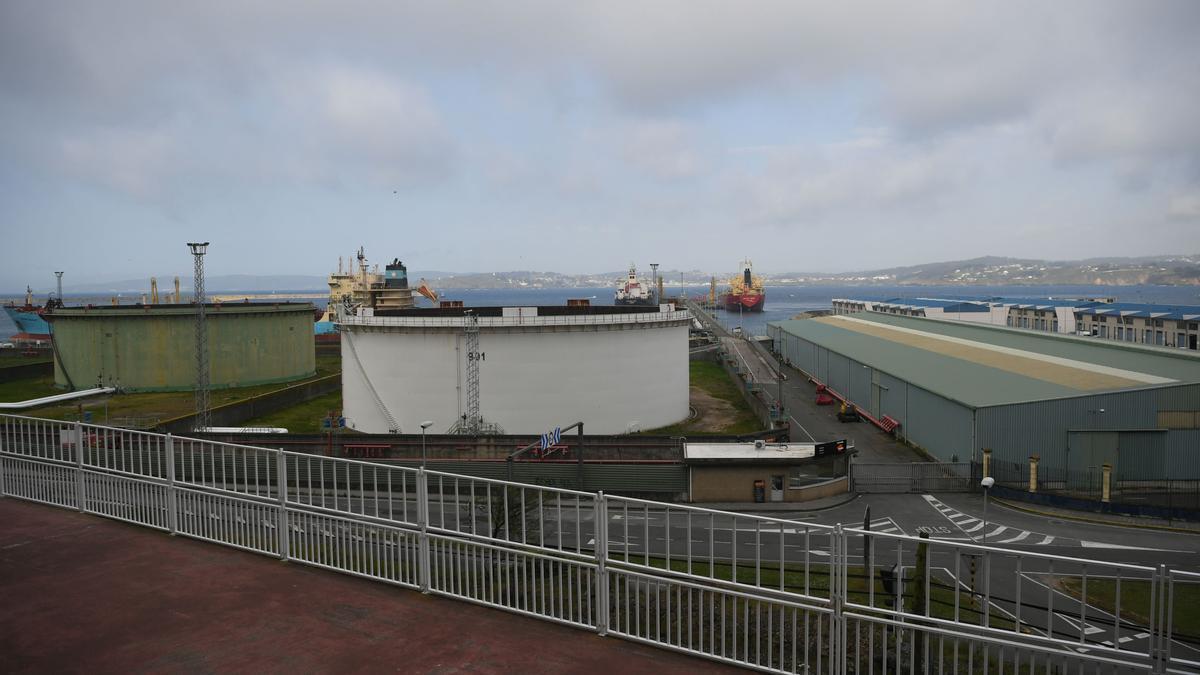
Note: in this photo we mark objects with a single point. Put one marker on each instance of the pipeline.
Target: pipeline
(57, 398)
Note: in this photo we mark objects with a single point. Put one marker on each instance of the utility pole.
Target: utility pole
(202, 421)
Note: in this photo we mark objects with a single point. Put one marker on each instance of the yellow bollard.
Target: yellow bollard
(1106, 485)
(1033, 463)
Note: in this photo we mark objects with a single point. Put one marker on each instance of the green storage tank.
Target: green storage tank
(152, 347)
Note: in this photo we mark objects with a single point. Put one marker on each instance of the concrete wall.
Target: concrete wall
(234, 414)
(153, 349)
(731, 484)
(531, 379)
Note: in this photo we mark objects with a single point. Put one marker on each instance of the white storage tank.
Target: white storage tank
(614, 368)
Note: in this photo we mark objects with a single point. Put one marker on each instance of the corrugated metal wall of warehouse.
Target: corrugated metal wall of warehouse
(941, 427)
(1016, 431)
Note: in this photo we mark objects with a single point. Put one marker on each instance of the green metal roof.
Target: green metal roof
(977, 384)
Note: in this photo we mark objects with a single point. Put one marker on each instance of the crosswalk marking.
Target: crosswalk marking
(1127, 638)
(994, 534)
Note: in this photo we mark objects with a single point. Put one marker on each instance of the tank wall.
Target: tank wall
(157, 353)
(530, 381)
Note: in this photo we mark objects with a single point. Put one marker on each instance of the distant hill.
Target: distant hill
(989, 270)
(992, 270)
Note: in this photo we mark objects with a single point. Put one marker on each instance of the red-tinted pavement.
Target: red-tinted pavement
(83, 593)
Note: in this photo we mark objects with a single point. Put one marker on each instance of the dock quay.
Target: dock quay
(796, 394)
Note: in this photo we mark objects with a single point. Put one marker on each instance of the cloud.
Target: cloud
(968, 127)
(360, 118)
(664, 149)
(1185, 206)
(136, 161)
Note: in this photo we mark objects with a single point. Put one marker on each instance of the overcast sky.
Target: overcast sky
(577, 137)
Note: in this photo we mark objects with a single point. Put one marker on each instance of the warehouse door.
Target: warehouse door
(1087, 452)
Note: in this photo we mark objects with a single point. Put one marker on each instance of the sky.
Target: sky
(580, 136)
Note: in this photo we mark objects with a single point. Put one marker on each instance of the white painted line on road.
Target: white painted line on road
(1122, 547)
(1012, 540)
(1088, 629)
(810, 436)
(1127, 638)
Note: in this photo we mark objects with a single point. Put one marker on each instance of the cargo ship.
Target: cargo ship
(631, 291)
(28, 319)
(746, 292)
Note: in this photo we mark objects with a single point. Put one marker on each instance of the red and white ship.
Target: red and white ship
(746, 292)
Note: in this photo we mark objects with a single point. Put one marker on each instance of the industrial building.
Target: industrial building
(955, 388)
(522, 369)
(1105, 318)
(765, 472)
(1162, 325)
(153, 347)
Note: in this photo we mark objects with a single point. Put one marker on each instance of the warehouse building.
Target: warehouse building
(1051, 315)
(1175, 326)
(152, 347)
(955, 388)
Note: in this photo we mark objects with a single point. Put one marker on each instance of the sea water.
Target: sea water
(783, 302)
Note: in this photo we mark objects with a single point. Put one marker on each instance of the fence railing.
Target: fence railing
(1088, 482)
(756, 591)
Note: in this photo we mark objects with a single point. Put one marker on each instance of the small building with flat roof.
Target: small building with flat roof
(765, 472)
(953, 389)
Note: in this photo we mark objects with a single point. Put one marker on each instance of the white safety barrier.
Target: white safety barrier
(760, 592)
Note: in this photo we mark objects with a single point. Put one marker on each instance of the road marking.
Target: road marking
(972, 526)
(810, 436)
(1122, 547)
(1127, 638)
(1088, 629)
(1012, 540)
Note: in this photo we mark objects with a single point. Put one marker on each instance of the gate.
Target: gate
(918, 477)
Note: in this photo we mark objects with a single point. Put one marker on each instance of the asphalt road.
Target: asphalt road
(809, 421)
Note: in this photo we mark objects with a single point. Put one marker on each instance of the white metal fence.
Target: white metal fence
(756, 591)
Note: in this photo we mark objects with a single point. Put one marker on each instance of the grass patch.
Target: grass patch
(1135, 601)
(162, 405)
(27, 388)
(301, 419)
(710, 383)
(14, 357)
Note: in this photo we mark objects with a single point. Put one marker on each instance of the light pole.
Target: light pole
(424, 425)
(202, 420)
(987, 484)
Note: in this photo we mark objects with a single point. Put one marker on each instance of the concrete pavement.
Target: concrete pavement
(88, 594)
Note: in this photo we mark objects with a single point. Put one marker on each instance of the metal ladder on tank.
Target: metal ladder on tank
(393, 425)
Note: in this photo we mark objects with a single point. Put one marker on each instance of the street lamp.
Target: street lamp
(424, 425)
(987, 484)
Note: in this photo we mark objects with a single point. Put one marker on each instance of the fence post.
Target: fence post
(172, 506)
(282, 521)
(1033, 472)
(602, 589)
(3, 434)
(1106, 483)
(80, 496)
(423, 558)
(1158, 622)
(838, 564)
